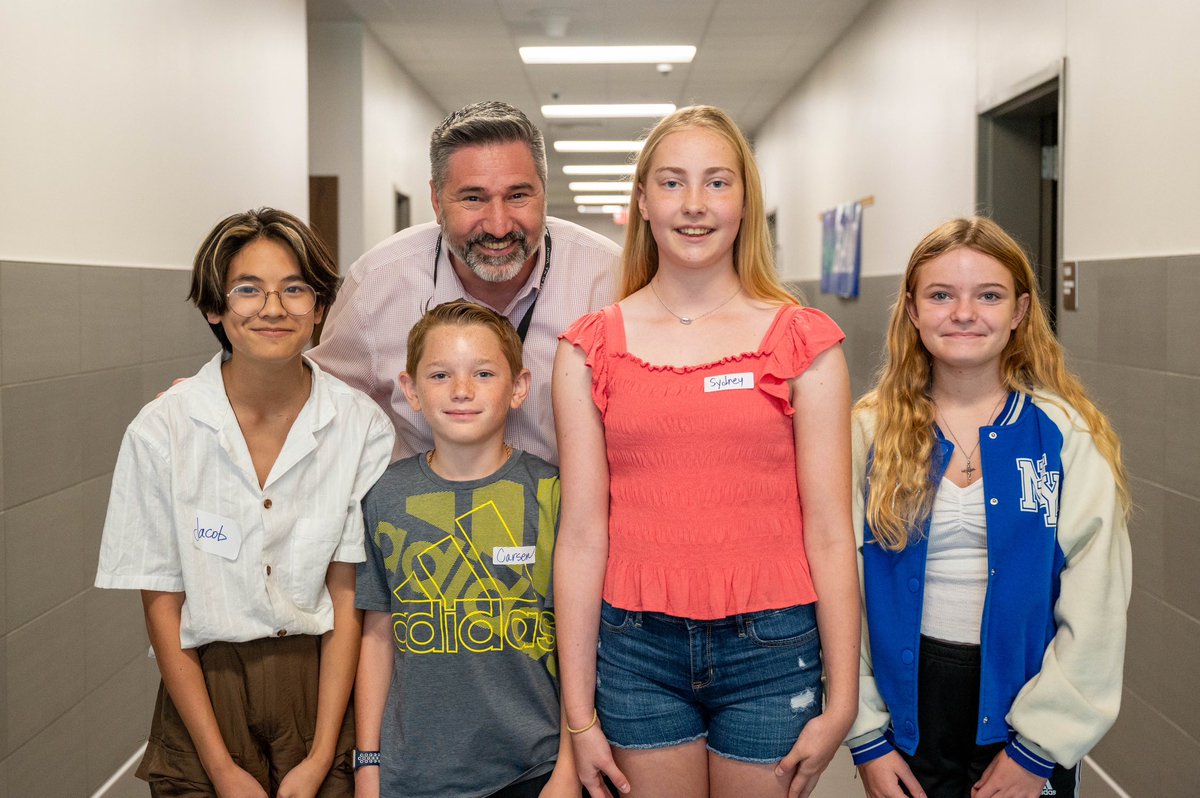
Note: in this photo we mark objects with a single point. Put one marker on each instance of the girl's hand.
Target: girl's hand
(1004, 778)
(811, 754)
(593, 757)
(883, 776)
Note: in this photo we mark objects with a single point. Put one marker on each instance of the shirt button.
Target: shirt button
(267, 503)
(993, 572)
(269, 570)
(992, 435)
(914, 585)
(906, 657)
(283, 633)
(994, 502)
(985, 720)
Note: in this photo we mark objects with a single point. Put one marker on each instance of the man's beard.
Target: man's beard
(494, 269)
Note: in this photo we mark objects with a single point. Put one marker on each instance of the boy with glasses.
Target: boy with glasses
(235, 510)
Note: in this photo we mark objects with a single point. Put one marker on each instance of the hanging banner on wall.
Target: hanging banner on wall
(841, 248)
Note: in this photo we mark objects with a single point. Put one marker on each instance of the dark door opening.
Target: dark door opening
(1018, 178)
(403, 212)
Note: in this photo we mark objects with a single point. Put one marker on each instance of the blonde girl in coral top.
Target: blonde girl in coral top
(695, 418)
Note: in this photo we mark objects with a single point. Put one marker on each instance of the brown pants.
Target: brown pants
(264, 694)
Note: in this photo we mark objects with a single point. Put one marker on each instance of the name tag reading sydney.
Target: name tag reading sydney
(729, 382)
(217, 535)
(514, 555)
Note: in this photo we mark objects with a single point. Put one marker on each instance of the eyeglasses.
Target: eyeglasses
(297, 299)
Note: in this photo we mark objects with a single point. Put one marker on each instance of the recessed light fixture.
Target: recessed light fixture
(599, 185)
(600, 208)
(601, 199)
(615, 169)
(607, 110)
(620, 54)
(597, 146)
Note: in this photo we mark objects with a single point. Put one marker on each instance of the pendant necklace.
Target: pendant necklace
(970, 469)
(690, 319)
(507, 453)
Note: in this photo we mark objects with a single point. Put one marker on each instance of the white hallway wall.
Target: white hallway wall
(369, 125)
(132, 126)
(890, 111)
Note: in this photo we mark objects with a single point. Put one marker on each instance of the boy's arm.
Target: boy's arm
(370, 694)
(339, 658)
(563, 779)
(184, 680)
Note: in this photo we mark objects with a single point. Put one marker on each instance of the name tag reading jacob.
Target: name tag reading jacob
(216, 535)
(729, 382)
(514, 555)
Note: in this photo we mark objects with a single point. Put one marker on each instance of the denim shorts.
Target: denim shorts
(748, 683)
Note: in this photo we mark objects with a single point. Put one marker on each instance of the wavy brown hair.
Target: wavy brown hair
(752, 258)
(1032, 361)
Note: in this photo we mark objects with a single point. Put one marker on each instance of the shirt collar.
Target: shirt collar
(209, 405)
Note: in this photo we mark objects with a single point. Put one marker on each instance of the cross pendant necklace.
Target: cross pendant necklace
(970, 468)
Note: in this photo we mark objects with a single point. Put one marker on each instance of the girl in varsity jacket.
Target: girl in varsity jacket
(990, 508)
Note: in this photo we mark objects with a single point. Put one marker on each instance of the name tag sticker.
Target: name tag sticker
(217, 535)
(514, 555)
(729, 382)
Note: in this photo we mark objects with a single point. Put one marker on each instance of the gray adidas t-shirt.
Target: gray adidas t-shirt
(464, 570)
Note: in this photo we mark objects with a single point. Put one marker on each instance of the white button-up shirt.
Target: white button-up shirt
(365, 338)
(187, 514)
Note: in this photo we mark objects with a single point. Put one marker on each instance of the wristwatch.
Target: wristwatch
(365, 758)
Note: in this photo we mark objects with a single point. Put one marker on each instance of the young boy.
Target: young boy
(235, 510)
(456, 694)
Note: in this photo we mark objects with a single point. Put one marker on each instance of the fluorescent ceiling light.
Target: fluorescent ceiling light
(597, 146)
(607, 110)
(601, 199)
(598, 169)
(653, 54)
(599, 185)
(600, 208)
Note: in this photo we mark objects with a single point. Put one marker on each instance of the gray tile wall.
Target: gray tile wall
(82, 348)
(1135, 342)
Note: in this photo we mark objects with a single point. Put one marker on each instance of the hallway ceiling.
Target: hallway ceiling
(750, 54)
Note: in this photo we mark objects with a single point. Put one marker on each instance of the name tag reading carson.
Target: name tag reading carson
(514, 555)
(217, 535)
(729, 382)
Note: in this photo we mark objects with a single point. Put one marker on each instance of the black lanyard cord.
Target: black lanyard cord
(527, 319)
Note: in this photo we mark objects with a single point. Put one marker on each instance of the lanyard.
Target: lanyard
(527, 319)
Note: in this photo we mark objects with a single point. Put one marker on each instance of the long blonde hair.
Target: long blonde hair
(901, 490)
(752, 257)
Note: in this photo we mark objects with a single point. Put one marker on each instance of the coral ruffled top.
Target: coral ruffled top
(704, 511)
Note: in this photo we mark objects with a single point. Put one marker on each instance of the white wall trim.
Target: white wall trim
(125, 768)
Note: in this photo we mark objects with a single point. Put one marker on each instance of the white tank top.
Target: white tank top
(957, 566)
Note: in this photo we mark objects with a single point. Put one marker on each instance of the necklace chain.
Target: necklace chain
(970, 469)
(690, 319)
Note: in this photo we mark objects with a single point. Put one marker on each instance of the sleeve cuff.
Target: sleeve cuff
(1029, 756)
(867, 747)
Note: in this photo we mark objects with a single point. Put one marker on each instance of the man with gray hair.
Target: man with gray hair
(493, 244)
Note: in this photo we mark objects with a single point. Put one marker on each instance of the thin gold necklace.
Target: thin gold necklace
(690, 319)
(970, 469)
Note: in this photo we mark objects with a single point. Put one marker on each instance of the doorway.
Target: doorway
(1018, 175)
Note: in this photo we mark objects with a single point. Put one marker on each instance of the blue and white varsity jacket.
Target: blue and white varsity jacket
(1059, 576)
